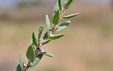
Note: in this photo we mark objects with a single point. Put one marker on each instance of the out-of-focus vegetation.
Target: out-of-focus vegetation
(29, 4)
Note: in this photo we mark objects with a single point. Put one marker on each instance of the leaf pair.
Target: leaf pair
(57, 7)
(34, 38)
(62, 26)
(56, 12)
(39, 56)
(35, 59)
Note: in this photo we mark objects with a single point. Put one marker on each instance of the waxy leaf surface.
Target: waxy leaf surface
(62, 26)
(56, 36)
(56, 18)
(37, 60)
(69, 3)
(34, 40)
(21, 61)
(47, 22)
(60, 4)
(30, 53)
(18, 68)
(70, 16)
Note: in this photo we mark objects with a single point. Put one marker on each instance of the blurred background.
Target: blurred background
(86, 46)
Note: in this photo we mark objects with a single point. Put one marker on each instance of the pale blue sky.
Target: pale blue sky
(10, 3)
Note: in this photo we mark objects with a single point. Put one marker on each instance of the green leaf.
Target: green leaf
(69, 3)
(35, 70)
(36, 60)
(70, 16)
(56, 18)
(60, 4)
(34, 39)
(45, 41)
(45, 35)
(47, 22)
(13, 70)
(62, 26)
(48, 54)
(21, 61)
(31, 42)
(18, 68)
(30, 53)
(56, 8)
(41, 28)
(56, 36)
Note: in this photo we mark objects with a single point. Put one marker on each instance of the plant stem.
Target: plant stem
(28, 65)
(62, 12)
(38, 49)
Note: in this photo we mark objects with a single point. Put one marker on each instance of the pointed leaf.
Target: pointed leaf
(33, 47)
(56, 18)
(34, 39)
(21, 61)
(31, 42)
(56, 36)
(47, 22)
(60, 4)
(69, 3)
(45, 35)
(36, 60)
(63, 26)
(35, 70)
(18, 68)
(70, 16)
(56, 8)
(45, 41)
(48, 54)
(41, 28)
(13, 70)
(30, 53)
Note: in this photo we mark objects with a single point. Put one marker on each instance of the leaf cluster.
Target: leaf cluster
(35, 52)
